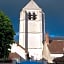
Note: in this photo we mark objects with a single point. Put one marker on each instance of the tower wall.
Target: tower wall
(31, 32)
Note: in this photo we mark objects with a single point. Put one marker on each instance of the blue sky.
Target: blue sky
(54, 11)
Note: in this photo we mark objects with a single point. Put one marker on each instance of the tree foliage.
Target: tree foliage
(6, 35)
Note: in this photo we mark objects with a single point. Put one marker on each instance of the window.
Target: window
(29, 16)
(32, 16)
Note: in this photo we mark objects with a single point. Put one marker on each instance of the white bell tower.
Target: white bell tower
(31, 29)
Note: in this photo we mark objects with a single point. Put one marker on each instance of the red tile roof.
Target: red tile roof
(56, 47)
(13, 55)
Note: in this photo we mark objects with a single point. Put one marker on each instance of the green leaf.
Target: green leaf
(6, 35)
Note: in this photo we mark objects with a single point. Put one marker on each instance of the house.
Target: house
(53, 48)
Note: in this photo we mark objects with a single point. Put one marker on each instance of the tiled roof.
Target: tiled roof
(56, 47)
(13, 55)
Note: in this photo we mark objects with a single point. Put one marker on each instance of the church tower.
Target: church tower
(31, 29)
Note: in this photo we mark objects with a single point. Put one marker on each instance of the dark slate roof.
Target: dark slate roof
(59, 59)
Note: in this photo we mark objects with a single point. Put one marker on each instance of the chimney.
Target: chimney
(47, 38)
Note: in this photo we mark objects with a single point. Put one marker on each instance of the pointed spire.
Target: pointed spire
(32, 5)
(32, 0)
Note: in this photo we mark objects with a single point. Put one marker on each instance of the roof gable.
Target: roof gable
(32, 5)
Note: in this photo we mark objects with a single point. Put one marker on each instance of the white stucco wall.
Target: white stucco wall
(36, 53)
(56, 55)
(35, 32)
(18, 50)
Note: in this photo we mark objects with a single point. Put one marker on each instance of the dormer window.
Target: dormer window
(32, 16)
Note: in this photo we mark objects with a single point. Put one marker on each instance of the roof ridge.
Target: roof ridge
(22, 48)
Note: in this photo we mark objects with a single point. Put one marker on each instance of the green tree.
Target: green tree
(6, 35)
